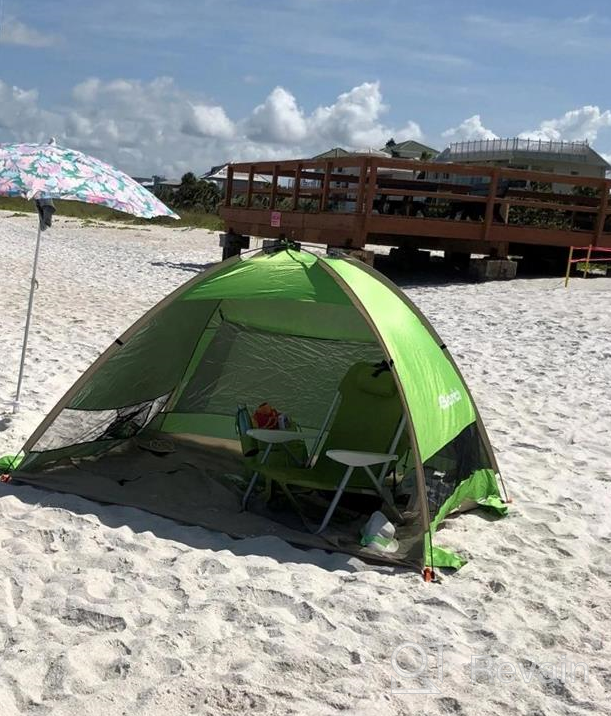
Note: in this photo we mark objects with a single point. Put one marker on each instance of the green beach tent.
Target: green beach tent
(281, 327)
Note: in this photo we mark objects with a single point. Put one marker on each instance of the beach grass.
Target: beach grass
(593, 268)
(91, 212)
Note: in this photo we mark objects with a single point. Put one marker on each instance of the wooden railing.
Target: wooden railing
(363, 197)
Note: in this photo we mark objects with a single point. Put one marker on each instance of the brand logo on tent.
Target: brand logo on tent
(447, 401)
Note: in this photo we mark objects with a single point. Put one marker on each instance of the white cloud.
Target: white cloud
(15, 32)
(471, 128)
(22, 119)
(354, 119)
(574, 125)
(278, 119)
(208, 121)
(156, 126)
(87, 91)
(410, 131)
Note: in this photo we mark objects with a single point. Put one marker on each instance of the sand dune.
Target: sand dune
(110, 610)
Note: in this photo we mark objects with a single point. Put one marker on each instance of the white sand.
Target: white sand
(109, 610)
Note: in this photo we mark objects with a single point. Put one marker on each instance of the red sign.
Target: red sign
(276, 216)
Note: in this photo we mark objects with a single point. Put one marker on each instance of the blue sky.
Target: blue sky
(163, 86)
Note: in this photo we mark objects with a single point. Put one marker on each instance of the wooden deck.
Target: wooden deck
(351, 201)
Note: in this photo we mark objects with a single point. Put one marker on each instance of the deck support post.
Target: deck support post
(360, 196)
(492, 191)
(602, 212)
(249, 190)
(326, 185)
(229, 186)
(272, 198)
(297, 186)
(499, 250)
(233, 244)
(370, 168)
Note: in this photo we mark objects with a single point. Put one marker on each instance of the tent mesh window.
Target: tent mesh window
(76, 427)
(295, 374)
(455, 462)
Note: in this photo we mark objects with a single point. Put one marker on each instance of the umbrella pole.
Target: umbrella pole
(27, 321)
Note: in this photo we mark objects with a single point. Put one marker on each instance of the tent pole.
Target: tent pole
(429, 573)
(27, 321)
(425, 322)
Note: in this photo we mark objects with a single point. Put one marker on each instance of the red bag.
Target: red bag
(266, 417)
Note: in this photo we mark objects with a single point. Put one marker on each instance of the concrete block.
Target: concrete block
(360, 254)
(492, 269)
(233, 244)
(271, 245)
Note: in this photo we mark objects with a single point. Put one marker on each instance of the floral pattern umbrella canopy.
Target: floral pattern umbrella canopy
(49, 171)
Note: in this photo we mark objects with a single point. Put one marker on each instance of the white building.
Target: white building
(571, 158)
(218, 175)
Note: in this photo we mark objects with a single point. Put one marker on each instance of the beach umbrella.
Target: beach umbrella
(44, 172)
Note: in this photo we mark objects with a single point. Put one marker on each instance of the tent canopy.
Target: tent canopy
(284, 328)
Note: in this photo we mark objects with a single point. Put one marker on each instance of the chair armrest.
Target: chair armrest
(354, 458)
(276, 437)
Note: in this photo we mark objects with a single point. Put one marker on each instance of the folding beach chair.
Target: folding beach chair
(365, 436)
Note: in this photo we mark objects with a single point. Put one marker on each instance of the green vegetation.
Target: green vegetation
(196, 201)
(262, 201)
(193, 194)
(544, 218)
(589, 191)
(596, 269)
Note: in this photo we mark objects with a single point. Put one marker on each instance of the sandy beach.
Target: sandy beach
(111, 610)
